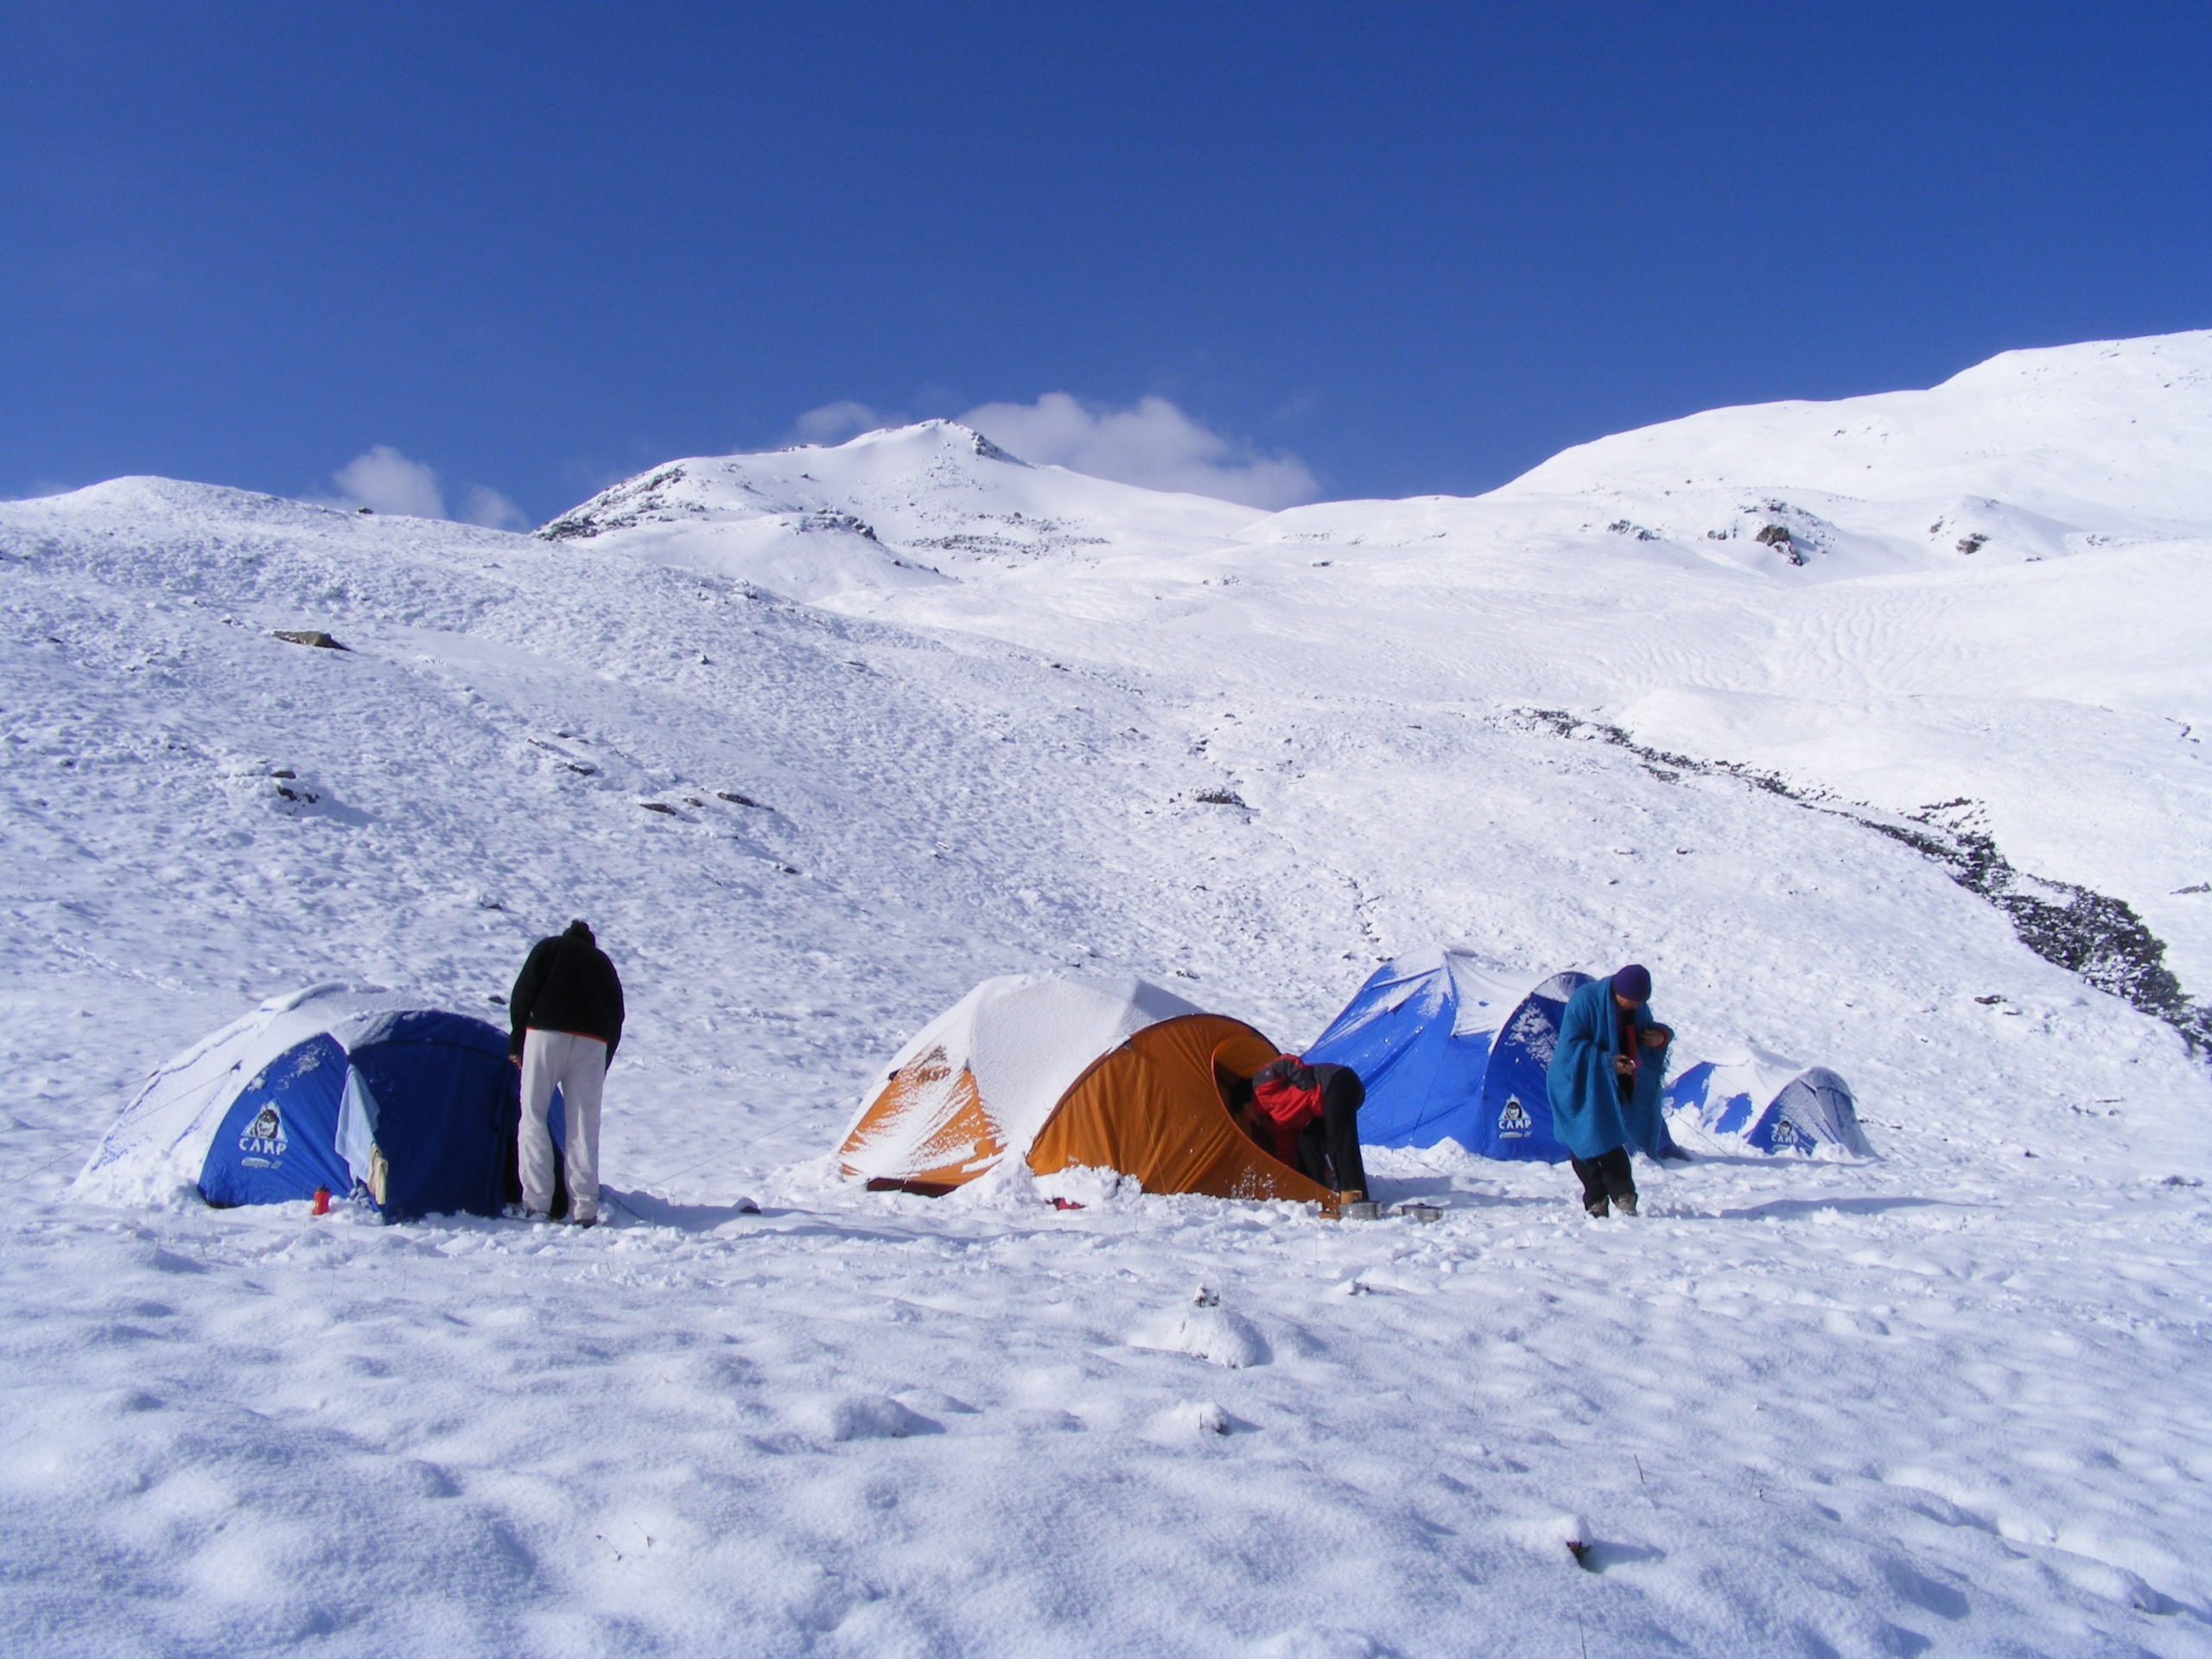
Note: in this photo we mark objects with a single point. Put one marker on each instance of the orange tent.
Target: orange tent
(1072, 1072)
(1152, 1109)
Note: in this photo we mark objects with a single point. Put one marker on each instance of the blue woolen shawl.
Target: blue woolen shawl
(1587, 1111)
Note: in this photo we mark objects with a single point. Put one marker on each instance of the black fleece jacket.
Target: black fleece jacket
(568, 984)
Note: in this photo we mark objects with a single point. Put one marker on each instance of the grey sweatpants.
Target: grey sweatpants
(577, 1066)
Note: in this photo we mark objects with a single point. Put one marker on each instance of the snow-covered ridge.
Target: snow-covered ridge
(893, 508)
(2033, 456)
(2108, 434)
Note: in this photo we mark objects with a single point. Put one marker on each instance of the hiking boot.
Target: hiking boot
(1598, 1209)
(575, 1220)
(1627, 1202)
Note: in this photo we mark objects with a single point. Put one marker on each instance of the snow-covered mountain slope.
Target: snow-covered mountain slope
(1948, 1401)
(2108, 436)
(2055, 703)
(2032, 455)
(889, 509)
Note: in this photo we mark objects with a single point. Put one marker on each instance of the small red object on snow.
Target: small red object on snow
(1065, 1204)
(322, 1201)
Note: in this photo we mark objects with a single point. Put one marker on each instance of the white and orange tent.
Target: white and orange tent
(1065, 1071)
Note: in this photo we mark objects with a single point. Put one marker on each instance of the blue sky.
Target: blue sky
(1380, 248)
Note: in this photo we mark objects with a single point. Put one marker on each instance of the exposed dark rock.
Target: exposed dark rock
(991, 451)
(844, 521)
(1778, 538)
(1220, 798)
(2090, 934)
(315, 636)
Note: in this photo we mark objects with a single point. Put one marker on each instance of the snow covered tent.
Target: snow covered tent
(1452, 1049)
(1769, 1103)
(986, 1073)
(1069, 1071)
(325, 1087)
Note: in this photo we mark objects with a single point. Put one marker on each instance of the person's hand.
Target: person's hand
(1624, 1066)
(1657, 1036)
(515, 1060)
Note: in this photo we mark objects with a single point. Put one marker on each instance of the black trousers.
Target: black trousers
(1328, 1148)
(1609, 1177)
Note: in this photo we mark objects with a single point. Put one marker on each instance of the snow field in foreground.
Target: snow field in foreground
(1773, 1407)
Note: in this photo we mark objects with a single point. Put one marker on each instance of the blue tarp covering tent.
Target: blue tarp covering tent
(1452, 1049)
(413, 1107)
(1767, 1103)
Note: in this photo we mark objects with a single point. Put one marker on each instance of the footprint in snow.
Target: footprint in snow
(1320, 1642)
(861, 1417)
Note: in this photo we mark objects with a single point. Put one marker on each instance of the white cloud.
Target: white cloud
(492, 510)
(384, 480)
(835, 422)
(1152, 443)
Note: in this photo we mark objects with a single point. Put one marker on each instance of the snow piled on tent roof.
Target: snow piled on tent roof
(1025, 1038)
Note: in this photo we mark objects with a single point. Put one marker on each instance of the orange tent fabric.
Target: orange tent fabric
(1152, 1109)
(964, 1141)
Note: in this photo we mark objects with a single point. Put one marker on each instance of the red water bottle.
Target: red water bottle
(322, 1201)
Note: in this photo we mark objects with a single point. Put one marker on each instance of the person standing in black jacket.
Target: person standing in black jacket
(565, 1020)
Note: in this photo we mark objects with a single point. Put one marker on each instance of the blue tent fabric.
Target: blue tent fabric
(413, 1108)
(1587, 1110)
(1514, 1119)
(447, 1101)
(1452, 1049)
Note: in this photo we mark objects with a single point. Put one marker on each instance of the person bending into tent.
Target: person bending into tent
(566, 1019)
(1604, 1085)
(1309, 1116)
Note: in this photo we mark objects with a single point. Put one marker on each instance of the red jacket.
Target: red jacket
(1287, 1096)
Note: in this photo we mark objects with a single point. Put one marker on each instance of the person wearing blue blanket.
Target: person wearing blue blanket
(1604, 1085)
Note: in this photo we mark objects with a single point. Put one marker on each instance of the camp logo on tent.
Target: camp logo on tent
(264, 1136)
(1514, 1122)
(1065, 1072)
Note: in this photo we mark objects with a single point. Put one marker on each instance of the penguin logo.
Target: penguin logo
(265, 1135)
(1513, 1122)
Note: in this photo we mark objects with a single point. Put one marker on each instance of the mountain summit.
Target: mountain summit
(890, 508)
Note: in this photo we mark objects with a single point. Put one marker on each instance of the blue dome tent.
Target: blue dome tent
(1768, 1104)
(415, 1107)
(1452, 1049)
